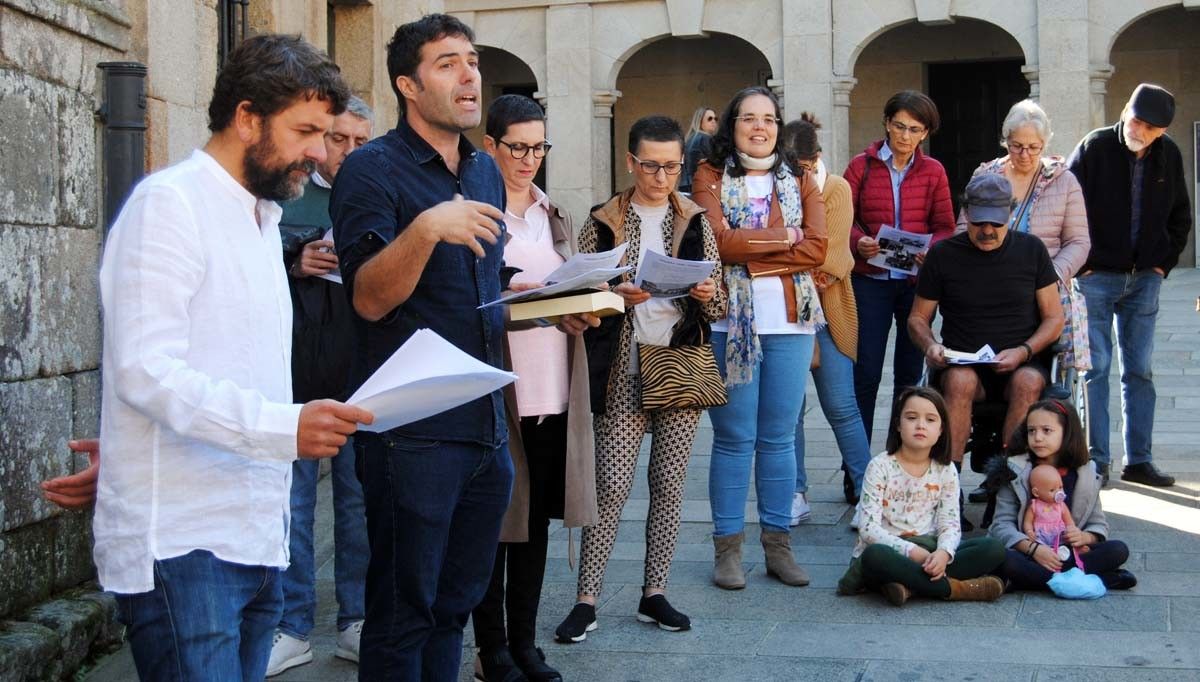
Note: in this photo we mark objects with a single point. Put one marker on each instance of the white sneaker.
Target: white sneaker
(800, 509)
(287, 652)
(347, 642)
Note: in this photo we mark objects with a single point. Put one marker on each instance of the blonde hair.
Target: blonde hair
(697, 119)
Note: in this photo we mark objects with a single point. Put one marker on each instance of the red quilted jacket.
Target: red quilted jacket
(924, 200)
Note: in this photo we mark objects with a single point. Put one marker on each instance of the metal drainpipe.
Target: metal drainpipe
(123, 116)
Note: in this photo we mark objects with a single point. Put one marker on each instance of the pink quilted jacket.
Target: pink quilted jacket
(1058, 216)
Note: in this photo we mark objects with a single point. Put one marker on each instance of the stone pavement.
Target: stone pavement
(772, 632)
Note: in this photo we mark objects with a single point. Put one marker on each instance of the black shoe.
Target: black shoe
(532, 661)
(1119, 579)
(1102, 469)
(978, 495)
(1146, 474)
(580, 621)
(966, 526)
(848, 487)
(657, 609)
(498, 666)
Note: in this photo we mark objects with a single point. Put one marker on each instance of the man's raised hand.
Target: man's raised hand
(462, 221)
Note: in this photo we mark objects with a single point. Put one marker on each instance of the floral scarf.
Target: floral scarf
(742, 348)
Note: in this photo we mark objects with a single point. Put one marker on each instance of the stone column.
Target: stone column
(840, 154)
(1098, 76)
(602, 143)
(1064, 88)
(1030, 71)
(807, 67)
(567, 98)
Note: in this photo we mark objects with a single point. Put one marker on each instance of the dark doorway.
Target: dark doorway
(972, 98)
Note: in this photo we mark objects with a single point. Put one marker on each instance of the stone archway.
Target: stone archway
(1160, 47)
(674, 76)
(972, 69)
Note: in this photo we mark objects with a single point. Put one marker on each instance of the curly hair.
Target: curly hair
(271, 72)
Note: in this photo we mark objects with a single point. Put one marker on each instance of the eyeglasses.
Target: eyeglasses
(994, 226)
(652, 167)
(752, 120)
(1017, 148)
(899, 128)
(520, 150)
(710, 117)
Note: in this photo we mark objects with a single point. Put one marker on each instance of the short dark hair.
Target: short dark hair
(940, 452)
(723, 148)
(271, 72)
(654, 128)
(799, 140)
(404, 49)
(916, 103)
(1074, 451)
(508, 110)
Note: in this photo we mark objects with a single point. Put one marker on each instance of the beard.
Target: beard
(1133, 145)
(266, 179)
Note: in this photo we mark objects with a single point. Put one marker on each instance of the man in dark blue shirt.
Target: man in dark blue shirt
(417, 222)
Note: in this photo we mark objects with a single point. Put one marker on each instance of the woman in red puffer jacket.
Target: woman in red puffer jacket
(893, 183)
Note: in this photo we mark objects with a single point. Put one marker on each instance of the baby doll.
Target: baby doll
(1047, 516)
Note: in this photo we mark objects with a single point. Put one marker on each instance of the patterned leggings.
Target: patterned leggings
(618, 438)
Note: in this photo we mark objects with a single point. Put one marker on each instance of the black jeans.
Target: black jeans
(525, 562)
(1026, 574)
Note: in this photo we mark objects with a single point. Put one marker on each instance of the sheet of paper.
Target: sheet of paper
(334, 275)
(898, 249)
(583, 263)
(426, 375)
(667, 277)
(983, 356)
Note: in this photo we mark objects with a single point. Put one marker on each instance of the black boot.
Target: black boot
(497, 665)
(532, 661)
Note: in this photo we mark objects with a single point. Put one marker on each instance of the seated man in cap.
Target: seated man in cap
(995, 287)
(1139, 218)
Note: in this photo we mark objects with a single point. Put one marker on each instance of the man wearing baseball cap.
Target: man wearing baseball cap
(995, 287)
(1139, 217)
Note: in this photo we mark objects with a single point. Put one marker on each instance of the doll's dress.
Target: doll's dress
(1048, 526)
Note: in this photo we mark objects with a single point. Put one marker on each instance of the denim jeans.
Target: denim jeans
(1133, 300)
(1103, 559)
(433, 520)
(350, 549)
(760, 417)
(834, 380)
(205, 619)
(879, 303)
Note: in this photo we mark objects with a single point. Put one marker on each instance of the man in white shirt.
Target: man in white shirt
(197, 420)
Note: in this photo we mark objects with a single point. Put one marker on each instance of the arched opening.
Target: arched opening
(674, 76)
(971, 69)
(1162, 48)
(504, 73)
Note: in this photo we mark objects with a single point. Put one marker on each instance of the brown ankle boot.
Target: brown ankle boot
(727, 569)
(896, 593)
(986, 588)
(780, 562)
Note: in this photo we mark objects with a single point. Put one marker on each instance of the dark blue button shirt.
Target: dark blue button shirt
(1137, 179)
(379, 190)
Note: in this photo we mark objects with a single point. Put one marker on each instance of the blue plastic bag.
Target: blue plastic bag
(1075, 584)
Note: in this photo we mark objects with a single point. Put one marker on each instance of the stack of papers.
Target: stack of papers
(665, 277)
(983, 356)
(427, 375)
(898, 249)
(581, 272)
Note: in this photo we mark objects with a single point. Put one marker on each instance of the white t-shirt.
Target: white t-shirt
(770, 305)
(654, 320)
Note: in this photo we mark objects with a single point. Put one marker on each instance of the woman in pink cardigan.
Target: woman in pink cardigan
(1049, 200)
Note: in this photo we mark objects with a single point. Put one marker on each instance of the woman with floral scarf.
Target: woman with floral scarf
(770, 230)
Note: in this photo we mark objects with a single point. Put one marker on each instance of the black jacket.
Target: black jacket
(1104, 167)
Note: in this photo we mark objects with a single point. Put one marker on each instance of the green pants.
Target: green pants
(975, 557)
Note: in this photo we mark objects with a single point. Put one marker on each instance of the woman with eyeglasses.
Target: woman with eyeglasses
(650, 216)
(698, 144)
(893, 183)
(770, 228)
(1048, 203)
(549, 419)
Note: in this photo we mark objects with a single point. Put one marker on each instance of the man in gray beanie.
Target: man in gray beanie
(1139, 217)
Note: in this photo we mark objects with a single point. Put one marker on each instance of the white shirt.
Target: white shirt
(654, 320)
(196, 425)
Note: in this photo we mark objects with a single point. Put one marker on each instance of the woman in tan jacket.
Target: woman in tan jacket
(837, 342)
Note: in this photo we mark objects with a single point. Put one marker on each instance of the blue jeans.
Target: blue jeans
(879, 303)
(350, 550)
(205, 619)
(433, 519)
(834, 380)
(1133, 300)
(759, 417)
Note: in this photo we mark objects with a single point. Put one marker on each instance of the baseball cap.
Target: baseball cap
(989, 199)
